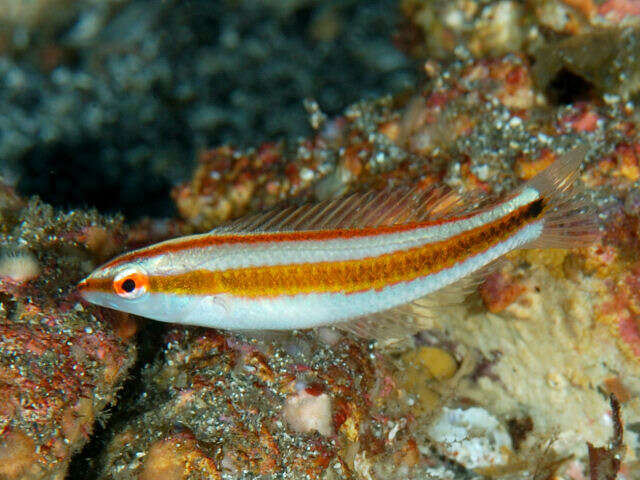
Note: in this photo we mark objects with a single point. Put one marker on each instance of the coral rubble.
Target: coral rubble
(61, 363)
(226, 406)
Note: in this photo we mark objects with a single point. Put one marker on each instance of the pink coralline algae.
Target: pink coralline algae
(618, 10)
(60, 362)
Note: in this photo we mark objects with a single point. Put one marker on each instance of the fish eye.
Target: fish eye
(131, 283)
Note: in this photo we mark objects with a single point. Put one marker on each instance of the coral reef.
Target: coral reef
(61, 363)
(577, 45)
(536, 375)
(228, 406)
(552, 333)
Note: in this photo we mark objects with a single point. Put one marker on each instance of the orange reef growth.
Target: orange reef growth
(61, 363)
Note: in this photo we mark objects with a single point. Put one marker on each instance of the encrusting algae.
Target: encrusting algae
(60, 364)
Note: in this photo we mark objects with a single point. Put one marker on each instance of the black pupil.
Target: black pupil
(128, 285)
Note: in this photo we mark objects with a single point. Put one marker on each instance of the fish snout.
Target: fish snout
(83, 286)
(90, 285)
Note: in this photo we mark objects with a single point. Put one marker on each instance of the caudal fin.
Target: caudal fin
(570, 219)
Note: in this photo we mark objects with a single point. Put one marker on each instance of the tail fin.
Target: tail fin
(570, 219)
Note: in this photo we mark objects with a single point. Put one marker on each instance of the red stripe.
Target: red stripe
(268, 237)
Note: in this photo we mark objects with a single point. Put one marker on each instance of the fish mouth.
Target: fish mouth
(83, 287)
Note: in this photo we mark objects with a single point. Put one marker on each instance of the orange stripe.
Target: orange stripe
(97, 285)
(351, 275)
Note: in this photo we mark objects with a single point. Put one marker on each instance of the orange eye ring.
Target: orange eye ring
(131, 283)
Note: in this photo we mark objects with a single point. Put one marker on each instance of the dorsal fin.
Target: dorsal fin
(390, 206)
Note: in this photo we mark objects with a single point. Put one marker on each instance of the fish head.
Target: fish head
(132, 283)
(123, 286)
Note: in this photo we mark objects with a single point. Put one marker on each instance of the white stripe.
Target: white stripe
(224, 257)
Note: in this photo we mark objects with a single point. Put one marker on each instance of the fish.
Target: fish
(359, 262)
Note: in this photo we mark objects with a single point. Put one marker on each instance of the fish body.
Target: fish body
(341, 260)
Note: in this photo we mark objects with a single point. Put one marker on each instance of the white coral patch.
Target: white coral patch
(306, 413)
(19, 266)
(472, 436)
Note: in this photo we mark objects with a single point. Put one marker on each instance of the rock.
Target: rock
(603, 59)
(472, 436)
(574, 44)
(229, 406)
(61, 362)
(477, 29)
